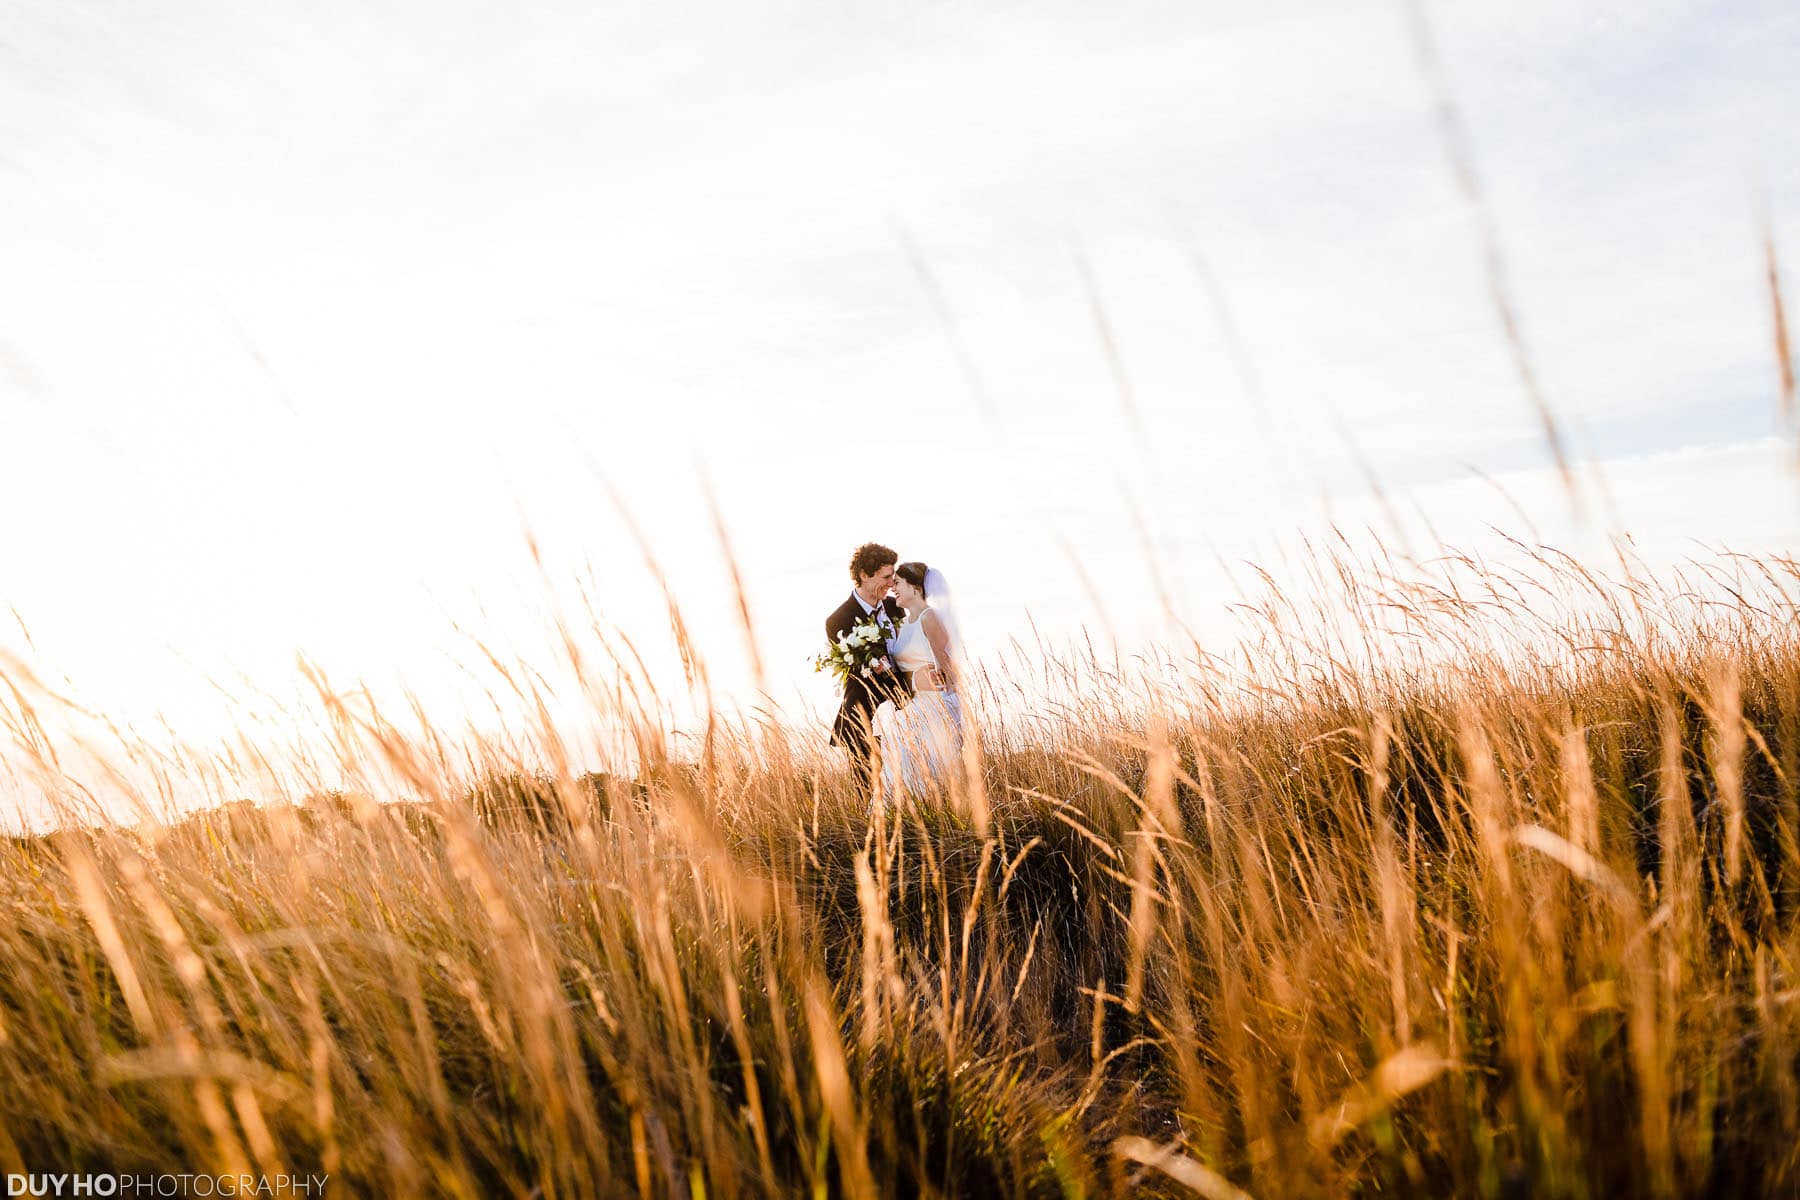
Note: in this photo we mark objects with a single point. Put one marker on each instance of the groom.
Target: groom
(872, 571)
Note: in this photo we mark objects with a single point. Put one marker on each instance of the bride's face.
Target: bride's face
(909, 596)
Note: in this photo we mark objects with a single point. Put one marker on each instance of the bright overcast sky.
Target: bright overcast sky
(308, 310)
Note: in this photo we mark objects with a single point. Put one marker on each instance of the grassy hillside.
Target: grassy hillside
(1498, 902)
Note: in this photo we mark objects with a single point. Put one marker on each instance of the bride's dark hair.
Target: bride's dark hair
(913, 573)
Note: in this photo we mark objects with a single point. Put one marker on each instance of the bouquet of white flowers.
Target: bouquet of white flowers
(859, 652)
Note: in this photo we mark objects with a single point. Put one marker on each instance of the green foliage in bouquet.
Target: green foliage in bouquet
(859, 651)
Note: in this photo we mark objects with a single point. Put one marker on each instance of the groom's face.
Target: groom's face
(874, 587)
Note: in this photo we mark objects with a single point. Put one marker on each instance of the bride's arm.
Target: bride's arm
(939, 639)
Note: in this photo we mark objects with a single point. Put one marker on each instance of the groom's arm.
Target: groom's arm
(902, 682)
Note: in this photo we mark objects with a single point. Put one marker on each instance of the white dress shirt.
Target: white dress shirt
(878, 611)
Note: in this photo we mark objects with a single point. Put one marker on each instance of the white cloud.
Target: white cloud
(307, 312)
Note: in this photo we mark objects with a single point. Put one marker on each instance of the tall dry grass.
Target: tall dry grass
(1470, 882)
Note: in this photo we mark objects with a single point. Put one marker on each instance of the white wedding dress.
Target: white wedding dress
(923, 742)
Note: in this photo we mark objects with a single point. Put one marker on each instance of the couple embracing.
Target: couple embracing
(894, 641)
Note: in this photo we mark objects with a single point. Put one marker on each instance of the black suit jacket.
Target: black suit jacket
(862, 696)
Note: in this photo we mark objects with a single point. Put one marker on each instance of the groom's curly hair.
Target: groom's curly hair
(869, 558)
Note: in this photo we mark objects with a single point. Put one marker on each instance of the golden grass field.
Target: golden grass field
(1489, 891)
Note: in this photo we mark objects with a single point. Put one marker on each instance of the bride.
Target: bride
(924, 742)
